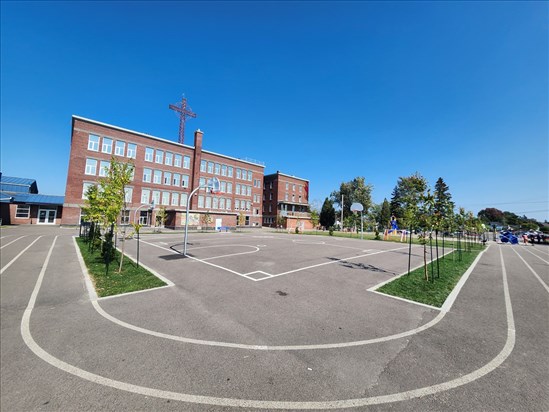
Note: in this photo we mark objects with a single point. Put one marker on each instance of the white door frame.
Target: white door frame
(48, 211)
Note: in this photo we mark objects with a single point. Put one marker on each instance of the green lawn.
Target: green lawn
(131, 279)
(415, 287)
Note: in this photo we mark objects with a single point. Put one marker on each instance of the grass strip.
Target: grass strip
(109, 283)
(415, 287)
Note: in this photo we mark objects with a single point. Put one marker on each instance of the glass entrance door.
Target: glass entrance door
(46, 216)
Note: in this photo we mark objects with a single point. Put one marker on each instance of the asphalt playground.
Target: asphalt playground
(268, 321)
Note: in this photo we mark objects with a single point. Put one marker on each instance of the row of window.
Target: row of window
(104, 165)
(167, 158)
(86, 186)
(121, 148)
(224, 170)
(165, 178)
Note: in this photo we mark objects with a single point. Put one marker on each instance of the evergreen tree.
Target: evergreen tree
(443, 199)
(385, 215)
(406, 198)
(327, 214)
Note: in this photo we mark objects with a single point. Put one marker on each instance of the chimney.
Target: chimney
(198, 140)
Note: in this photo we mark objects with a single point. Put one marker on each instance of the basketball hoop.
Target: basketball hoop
(214, 185)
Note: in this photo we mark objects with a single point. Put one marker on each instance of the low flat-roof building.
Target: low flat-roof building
(20, 203)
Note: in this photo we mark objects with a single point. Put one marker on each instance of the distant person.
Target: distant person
(525, 239)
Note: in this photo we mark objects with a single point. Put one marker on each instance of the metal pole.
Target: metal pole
(187, 219)
(342, 212)
(361, 226)
(137, 248)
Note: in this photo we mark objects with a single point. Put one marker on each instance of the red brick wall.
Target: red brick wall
(79, 152)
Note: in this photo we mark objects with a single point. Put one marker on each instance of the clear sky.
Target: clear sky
(326, 90)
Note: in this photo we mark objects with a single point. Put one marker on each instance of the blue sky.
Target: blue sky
(322, 90)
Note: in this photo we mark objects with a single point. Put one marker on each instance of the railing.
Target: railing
(296, 214)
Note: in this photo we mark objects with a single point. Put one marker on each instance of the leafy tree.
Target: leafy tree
(105, 203)
(355, 191)
(491, 215)
(315, 218)
(327, 214)
(161, 216)
(206, 219)
(406, 197)
(424, 220)
(241, 219)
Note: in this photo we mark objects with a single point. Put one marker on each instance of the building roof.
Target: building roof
(31, 198)
(148, 136)
(278, 173)
(17, 184)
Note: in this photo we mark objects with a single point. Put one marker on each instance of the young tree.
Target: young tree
(327, 214)
(106, 202)
(206, 219)
(406, 197)
(315, 218)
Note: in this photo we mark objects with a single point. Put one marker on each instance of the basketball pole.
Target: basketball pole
(212, 185)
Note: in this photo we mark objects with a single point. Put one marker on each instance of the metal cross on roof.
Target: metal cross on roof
(183, 111)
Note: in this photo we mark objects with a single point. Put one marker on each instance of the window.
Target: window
(230, 171)
(257, 183)
(184, 181)
(22, 212)
(293, 187)
(147, 174)
(156, 197)
(125, 217)
(91, 167)
(237, 191)
(169, 159)
(217, 169)
(249, 175)
(238, 176)
(119, 148)
(175, 199)
(300, 188)
(128, 194)
(167, 178)
(132, 151)
(222, 203)
(223, 187)
(201, 201)
(286, 197)
(208, 202)
(145, 196)
(228, 204)
(236, 204)
(202, 182)
(176, 179)
(85, 187)
(229, 187)
(203, 165)
(270, 208)
(149, 153)
(93, 142)
(223, 170)
(293, 198)
(210, 167)
(271, 196)
(249, 190)
(186, 162)
(177, 160)
(104, 168)
(248, 205)
(270, 185)
(107, 145)
(159, 156)
(166, 198)
(215, 203)
(287, 186)
(184, 198)
(157, 177)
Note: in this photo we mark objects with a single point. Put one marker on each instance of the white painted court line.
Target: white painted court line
(264, 404)
(7, 244)
(18, 256)
(533, 271)
(536, 255)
